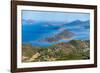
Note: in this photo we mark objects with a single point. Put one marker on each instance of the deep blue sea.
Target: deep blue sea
(34, 32)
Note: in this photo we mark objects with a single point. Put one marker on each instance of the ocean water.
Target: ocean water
(35, 32)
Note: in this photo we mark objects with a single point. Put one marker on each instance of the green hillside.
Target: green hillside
(73, 50)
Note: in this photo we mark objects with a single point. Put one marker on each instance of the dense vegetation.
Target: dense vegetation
(73, 50)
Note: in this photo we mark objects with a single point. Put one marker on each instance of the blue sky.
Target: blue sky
(54, 16)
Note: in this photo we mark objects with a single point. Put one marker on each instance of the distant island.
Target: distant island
(73, 50)
(65, 34)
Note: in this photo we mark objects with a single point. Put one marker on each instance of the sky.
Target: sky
(54, 16)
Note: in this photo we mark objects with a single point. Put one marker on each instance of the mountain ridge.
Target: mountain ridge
(73, 50)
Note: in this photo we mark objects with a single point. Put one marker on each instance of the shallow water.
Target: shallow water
(34, 33)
